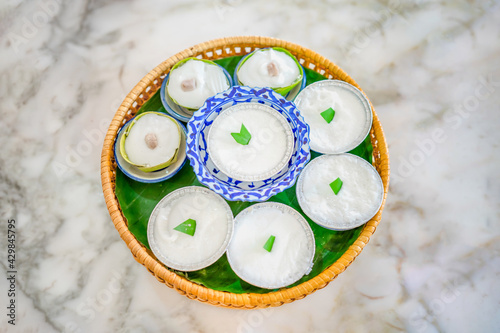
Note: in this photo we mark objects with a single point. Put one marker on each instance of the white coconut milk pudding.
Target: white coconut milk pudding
(269, 68)
(340, 191)
(151, 141)
(250, 142)
(272, 246)
(191, 82)
(338, 114)
(190, 228)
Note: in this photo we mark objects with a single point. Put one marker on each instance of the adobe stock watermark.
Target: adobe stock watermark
(224, 7)
(92, 306)
(362, 38)
(32, 24)
(421, 318)
(198, 206)
(93, 139)
(77, 154)
(485, 87)
(381, 19)
(253, 320)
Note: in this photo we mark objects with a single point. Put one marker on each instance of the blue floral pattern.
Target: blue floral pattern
(233, 189)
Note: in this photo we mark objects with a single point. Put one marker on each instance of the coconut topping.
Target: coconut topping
(151, 140)
(188, 85)
(273, 69)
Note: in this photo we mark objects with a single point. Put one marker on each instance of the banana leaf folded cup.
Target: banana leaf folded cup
(191, 81)
(274, 67)
(151, 141)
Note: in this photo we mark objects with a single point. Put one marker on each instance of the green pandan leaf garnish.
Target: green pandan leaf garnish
(336, 185)
(188, 227)
(269, 244)
(328, 115)
(243, 137)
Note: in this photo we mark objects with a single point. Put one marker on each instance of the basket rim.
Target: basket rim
(147, 86)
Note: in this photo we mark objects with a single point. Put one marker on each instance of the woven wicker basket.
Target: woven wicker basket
(216, 49)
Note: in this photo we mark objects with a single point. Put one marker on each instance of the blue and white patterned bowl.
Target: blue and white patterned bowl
(232, 189)
(179, 112)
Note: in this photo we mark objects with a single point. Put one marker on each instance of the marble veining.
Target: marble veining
(431, 70)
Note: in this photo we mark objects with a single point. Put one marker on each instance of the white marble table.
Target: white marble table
(432, 71)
